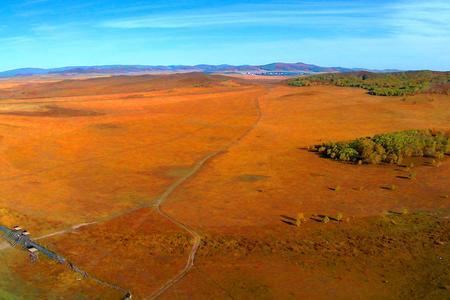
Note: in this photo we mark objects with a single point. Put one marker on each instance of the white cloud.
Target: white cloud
(281, 15)
(405, 18)
(420, 18)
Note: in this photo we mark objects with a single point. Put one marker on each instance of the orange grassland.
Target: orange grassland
(102, 150)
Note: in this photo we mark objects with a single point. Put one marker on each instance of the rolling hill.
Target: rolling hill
(268, 69)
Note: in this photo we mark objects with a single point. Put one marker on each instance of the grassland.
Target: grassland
(102, 150)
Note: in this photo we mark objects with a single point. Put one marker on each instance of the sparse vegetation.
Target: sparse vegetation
(300, 219)
(337, 188)
(416, 242)
(391, 187)
(389, 147)
(241, 222)
(383, 84)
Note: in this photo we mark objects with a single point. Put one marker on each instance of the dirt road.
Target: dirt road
(157, 206)
(195, 234)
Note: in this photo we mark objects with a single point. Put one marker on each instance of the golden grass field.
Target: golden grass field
(103, 150)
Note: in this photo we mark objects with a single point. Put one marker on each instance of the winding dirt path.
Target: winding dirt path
(73, 228)
(197, 238)
(157, 206)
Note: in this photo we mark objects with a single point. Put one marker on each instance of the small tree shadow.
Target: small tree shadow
(336, 188)
(319, 218)
(316, 218)
(288, 220)
(390, 187)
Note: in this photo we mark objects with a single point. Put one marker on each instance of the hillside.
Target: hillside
(111, 85)
(294, 68)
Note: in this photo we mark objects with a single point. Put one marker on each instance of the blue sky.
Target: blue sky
(360, 33)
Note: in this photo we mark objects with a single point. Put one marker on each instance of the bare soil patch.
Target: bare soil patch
(250, 177)
(53, 111)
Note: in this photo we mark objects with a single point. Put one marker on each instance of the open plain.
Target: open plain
(108, 170)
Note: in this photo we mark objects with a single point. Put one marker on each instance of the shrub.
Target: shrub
(412, 175)
(300, 219)
(391, 187)
(336, 188)
(348, 154)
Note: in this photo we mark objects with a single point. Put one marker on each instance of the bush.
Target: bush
(300, 219)
(391, 187)
(389, 147)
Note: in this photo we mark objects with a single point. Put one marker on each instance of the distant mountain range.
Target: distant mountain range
(269, 69)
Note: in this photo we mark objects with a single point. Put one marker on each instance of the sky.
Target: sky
(376, 34)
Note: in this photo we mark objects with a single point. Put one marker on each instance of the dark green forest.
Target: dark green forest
(383, 84)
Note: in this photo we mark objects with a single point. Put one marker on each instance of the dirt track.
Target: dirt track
(195, 234)
(193, 130)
